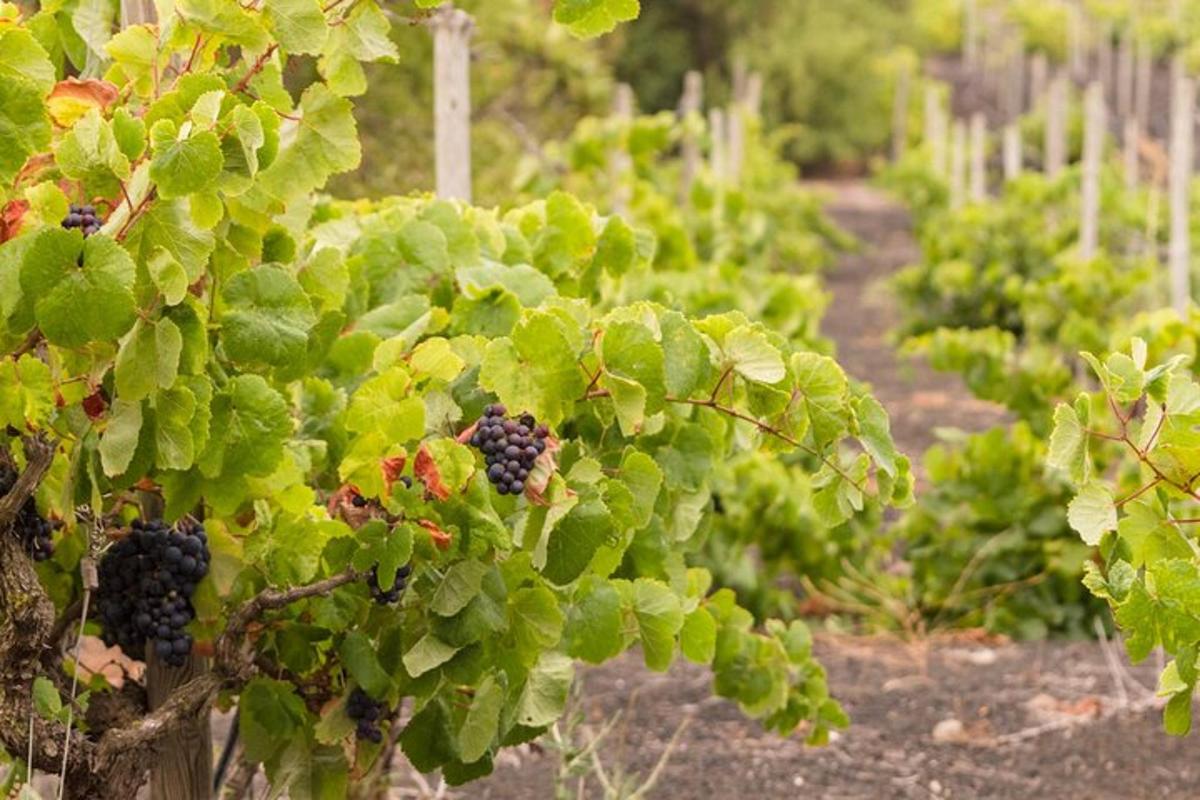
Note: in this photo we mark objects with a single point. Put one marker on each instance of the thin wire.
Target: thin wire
(62, 780)
(29, 758)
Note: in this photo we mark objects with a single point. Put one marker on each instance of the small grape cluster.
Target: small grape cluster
(366, 713)
(146, 585)
(391, 595)
(509, 446)
(83, 217)
(34, 531)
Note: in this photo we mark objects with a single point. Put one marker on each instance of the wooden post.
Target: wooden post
(1093, 150)
(971, 33)
(452, 102)
(182, 769)
(716, 127)
(735, 123)
(1012, 151)
(1017, 81)
(1104, 62)
(1038, 69)
(619, 162)
(1143, 84)
(1075, 51)
(978, 157)
(935, 130)
(1183, 109)
(754, 94)
(958, 164)
(1130, 136)
(900, 114)
(1055, 145)
(689, 107)
(1125, 74)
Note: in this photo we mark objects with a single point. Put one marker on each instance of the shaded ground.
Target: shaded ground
(897, 696)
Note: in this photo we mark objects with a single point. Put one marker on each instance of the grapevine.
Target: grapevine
(366, 713)
(146, 584)
(34, 530)
(510, 447)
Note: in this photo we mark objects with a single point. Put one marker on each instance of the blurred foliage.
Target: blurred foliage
(529, 81)
(988, 541)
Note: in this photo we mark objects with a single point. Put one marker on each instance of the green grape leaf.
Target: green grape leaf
(698, 636)
(593, 630)
(458, 588)
(183, 163)
(267, 318)
(322, 143)
(589, 18)
(546, 690)
(250, 423)
(1092, 513)
(77, 304)
(1069, 444)
(298, 25)
(148, 359)
(358, 655)
(482, 721)
(428, 653)
(120, 438)
(753, 356)
(271, 714)
(659, 618)
(24, 124)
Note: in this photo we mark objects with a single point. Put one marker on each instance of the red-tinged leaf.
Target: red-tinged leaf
(426, 470)
(465, 436)
(11, 217)
(94, 405)
(441, 539)
(392, 468)
(204, 649)
(59, 400)
(543, 468)
(146, 485)
(72, 98)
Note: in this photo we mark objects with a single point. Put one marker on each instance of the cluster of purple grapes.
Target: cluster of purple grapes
(83, 217)
(146, 585)
(509, 446)
(34, 530)
(385, 598)
(367, 714)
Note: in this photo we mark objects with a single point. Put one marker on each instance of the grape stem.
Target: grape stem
(763, 427)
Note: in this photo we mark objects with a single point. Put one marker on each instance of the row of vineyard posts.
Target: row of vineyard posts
(1117, 83)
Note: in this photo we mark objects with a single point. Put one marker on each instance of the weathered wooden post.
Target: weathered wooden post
(717, 133)
(690, 104)
(452, 29)
(1125, 74)
(1055, 146)
(935, 131)
(1093, 151)
(1130, 137)
(958, 164)
(1076, 57)
(971, 33)
(1012, 151)
(900, 113)
(1183, 110)
(978, 157)
(1143, 84)
(619, 162)
(1039, 68)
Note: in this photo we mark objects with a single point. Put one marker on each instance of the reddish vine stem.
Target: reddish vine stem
(255, 68)
(1138, 493)
(763, 427)
(137, 213)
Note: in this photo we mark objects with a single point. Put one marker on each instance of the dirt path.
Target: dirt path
(862, 314)
(927, 722)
